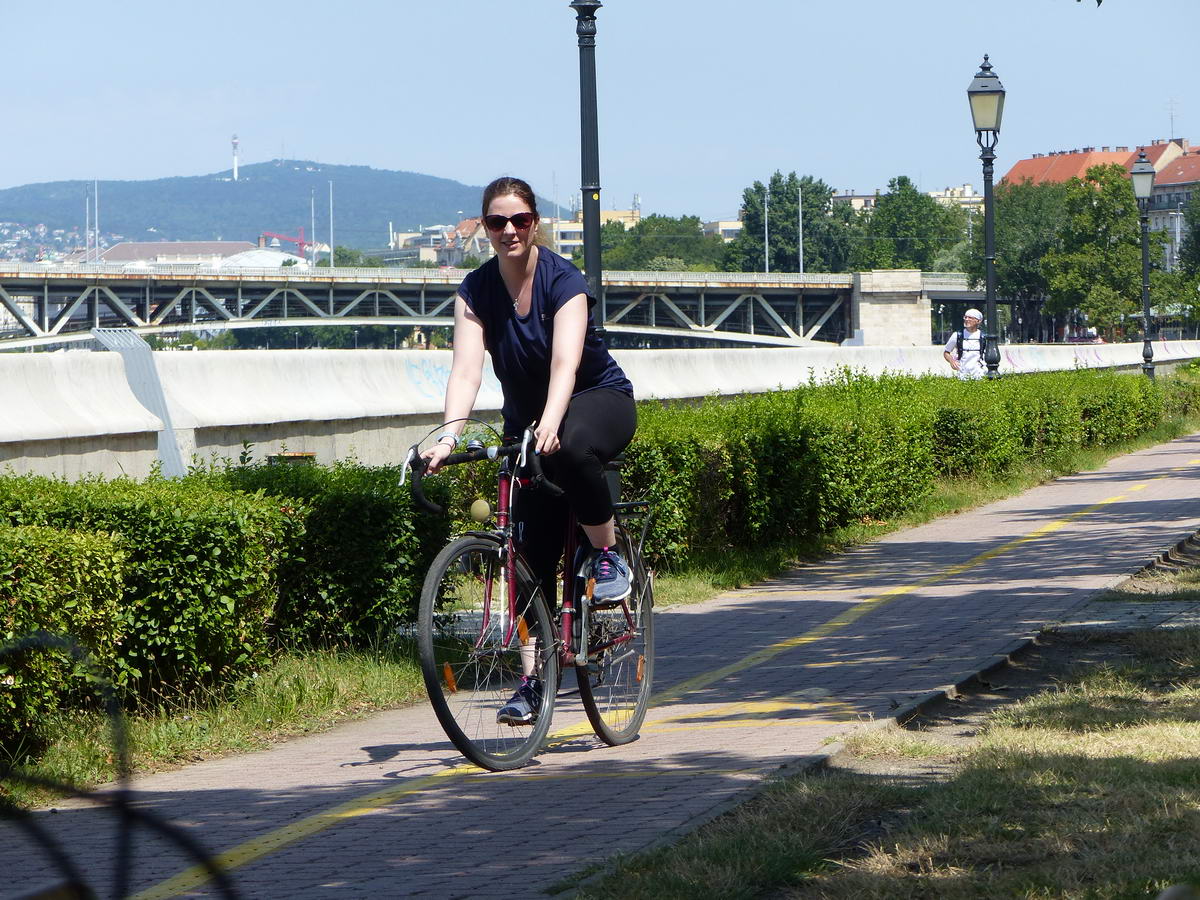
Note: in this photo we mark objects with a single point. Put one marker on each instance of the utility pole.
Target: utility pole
(767, 228)
(800, 227)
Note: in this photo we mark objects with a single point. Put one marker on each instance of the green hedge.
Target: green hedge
(221, 564)
(61, 583)
(201, 569)
(359, 562)
(737, 472)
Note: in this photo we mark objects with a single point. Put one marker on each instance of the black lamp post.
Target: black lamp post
(589, 147)
(986, 95)
(1142, 175)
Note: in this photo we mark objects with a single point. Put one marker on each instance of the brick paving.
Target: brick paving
(749, 683)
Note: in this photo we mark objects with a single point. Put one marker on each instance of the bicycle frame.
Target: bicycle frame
(571, 652)
(508, 486)
(548, 629)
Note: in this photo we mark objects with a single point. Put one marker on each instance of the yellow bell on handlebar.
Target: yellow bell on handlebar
(481, 511)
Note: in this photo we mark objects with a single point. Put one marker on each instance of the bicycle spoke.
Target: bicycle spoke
(615, 685)
(474, 653)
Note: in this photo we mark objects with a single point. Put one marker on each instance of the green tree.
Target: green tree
(1176, 293)
(222, 340)
(828, 227)
(660, 238)
(1029, 220)
(666, 264)
(350, 258)
(1097, 265)
(907, 229)
(1189, 250)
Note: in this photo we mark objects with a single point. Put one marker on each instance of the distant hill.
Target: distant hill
(273, 196)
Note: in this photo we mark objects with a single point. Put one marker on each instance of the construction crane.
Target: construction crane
(299, 240)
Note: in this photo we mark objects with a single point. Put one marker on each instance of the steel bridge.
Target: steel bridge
(46, 305)
(42, 305)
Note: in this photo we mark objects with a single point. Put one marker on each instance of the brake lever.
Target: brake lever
(408, 461)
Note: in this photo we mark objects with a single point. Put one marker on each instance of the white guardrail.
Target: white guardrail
(72, 413)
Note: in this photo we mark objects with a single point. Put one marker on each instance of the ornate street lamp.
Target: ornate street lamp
(986, 95)
(589, 148)
(1142, 176)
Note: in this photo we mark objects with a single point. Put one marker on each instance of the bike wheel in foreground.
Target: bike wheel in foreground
(615, 685)
(474, 651)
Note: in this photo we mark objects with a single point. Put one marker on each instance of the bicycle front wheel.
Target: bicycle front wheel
(475, 647)
(615, 684)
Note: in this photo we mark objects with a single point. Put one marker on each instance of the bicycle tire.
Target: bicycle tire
(615, 684)
(471, 656)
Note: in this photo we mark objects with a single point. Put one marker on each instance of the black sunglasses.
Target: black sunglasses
(521, 221)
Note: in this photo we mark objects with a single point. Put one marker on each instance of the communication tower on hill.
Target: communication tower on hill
(235, 157)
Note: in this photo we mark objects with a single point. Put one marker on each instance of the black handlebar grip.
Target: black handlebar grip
(539, 479)
(419, 465)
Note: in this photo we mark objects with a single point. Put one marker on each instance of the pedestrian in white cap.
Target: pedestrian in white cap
(964, 349)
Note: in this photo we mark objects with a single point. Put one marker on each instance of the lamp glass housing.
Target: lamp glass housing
(1142, 176)
(987, 108)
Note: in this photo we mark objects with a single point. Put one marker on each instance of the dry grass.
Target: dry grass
(896, 743)
(1089, 788)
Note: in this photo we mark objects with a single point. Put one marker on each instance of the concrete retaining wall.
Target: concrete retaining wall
(73, 413)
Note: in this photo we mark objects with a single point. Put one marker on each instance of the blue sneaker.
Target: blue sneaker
(611, 574)
(523, 708)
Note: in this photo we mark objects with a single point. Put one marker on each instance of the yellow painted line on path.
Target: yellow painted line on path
(256, 848)
(856, 612)
(259, 847)
(756, 714)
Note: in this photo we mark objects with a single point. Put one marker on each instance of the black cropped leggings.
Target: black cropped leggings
(598, 425)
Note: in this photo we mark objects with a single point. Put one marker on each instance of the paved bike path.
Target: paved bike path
(747, 683)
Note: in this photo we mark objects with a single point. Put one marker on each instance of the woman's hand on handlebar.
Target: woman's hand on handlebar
(545, 438)
(435, 456)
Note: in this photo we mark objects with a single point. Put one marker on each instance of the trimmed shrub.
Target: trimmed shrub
(739, 471)
(202, 563)
(359, 563)
(64, 583)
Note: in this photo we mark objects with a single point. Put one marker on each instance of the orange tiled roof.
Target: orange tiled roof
(1153, 153)
(1184, 170)
(1058, 167)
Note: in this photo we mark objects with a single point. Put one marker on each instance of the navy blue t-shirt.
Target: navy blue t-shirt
(521, 346)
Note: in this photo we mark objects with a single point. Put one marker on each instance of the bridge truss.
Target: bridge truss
(45, 305)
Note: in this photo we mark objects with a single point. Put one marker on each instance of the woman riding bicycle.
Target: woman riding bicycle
(530, 309)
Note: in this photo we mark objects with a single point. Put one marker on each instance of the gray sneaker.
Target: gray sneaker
(522, 709)
(612, 577)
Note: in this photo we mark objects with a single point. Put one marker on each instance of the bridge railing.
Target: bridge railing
(202, 271)
(953, 280)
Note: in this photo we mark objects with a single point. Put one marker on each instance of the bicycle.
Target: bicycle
(484, 622)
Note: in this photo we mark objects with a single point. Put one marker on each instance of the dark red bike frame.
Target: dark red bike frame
(508, 483)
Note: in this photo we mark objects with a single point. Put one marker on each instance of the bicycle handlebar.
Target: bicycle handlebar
(418, 465)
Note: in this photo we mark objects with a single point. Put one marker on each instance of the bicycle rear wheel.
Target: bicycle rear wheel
(615, 685)
(473, 652)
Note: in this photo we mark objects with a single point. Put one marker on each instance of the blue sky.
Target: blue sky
(697, 99)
